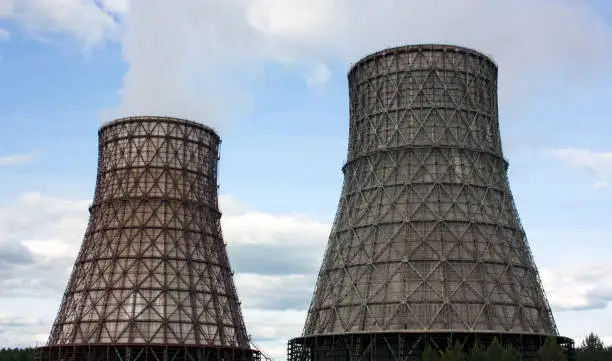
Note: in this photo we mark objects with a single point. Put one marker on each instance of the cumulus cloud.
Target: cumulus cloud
(275, 325)
(196, 59)
(16, 159)
(319, 75)
(40, 236)
(6, 7)
(4, 34)
(598, 164)
(298, 231)
(269, 244)
(276, 258)
(191, 68)
(587, 159)
(35, 272)
(84, 20)
(119, 7)
(20, 328)
(6, 320)
(273, 328)
(14, 254)
(275, 292)
(578, 287)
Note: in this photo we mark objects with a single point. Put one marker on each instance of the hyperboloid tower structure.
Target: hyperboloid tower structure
(427, 247)
(152, 280)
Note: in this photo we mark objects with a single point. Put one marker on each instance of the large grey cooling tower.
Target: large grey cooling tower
(152, 280)
(427, 244)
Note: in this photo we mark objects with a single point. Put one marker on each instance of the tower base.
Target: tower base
(144, 353)
(403, 346)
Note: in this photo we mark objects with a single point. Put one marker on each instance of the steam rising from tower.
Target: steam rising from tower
(152, 280)
(427, 247)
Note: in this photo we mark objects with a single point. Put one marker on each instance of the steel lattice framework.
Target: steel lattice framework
(152, 280)
(427, 239)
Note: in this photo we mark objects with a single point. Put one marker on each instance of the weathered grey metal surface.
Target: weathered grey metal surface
(426, 236)
(153, 267)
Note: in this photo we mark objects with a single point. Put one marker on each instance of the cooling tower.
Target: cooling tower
(152, 280)
(427, 247)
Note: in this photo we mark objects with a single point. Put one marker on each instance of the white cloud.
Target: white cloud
(268, 229)
(273, 328)
(274, 308)
(598, 164)
(4, 34)
(190, 60)
(40, 236)
(197, 66)
(601, 185)
(6, 7)
(16, 159)
(23, 329)
(255, 236)
(275, 292)
(300, 21)
(204, 58)
(230, 205)
(50, 248)
(319, 75)
(594, 161)
(81, 19)
(7, 320)
(607, 340)
(116, 6)
(579, 286)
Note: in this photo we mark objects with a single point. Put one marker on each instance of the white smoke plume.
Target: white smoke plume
(199, 58)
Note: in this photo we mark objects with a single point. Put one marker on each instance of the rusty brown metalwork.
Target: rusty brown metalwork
(409, 346)
(427, 238)
(152, 280)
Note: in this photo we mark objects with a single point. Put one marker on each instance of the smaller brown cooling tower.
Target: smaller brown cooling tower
(152, 280)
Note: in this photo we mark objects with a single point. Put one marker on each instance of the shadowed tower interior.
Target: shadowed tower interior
(152, 280)
(427, 247)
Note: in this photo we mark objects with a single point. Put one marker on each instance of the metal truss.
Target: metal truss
(427, 236)
(153, 268)
(396, 346)
(143, 353)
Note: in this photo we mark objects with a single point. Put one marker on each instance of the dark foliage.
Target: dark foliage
(454, 354)
(591, 349)
(550, 351)
(17, 354)
(478, 352)
(431, 355)
(495, 352)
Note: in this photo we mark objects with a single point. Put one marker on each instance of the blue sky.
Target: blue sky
(270, 75)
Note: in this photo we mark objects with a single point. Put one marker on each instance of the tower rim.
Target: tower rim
(140, 118)
(430, 331)
(423, 46)
(150, 344)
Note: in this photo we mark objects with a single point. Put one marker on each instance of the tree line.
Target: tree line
(591, 349)
(17, 354)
